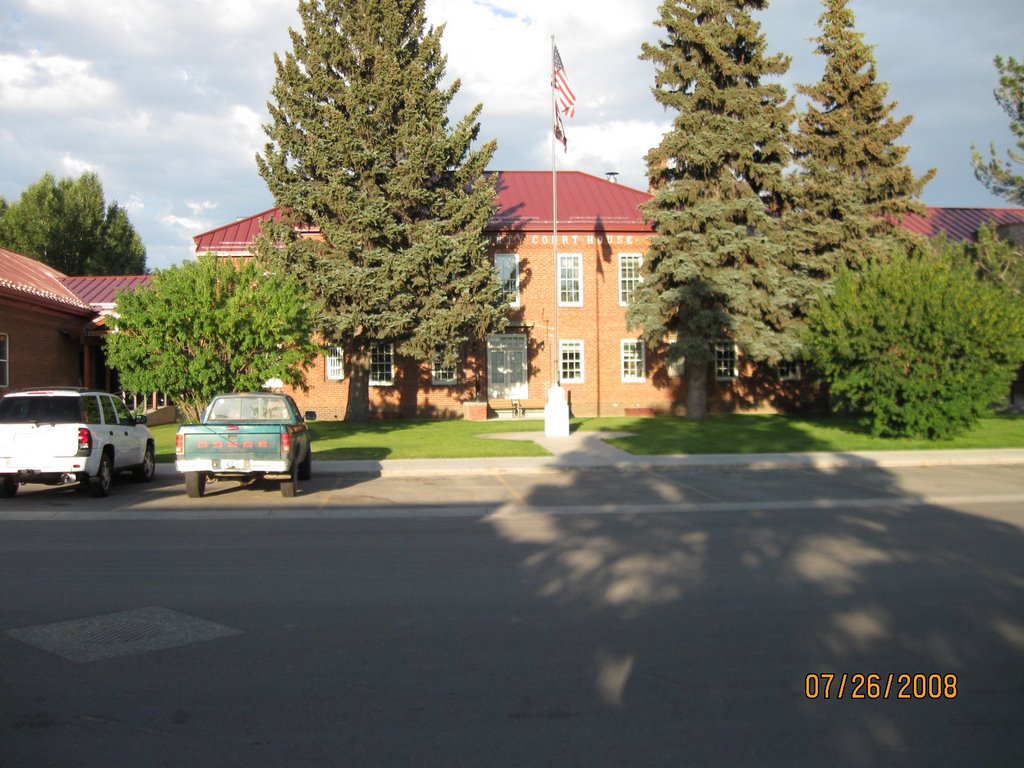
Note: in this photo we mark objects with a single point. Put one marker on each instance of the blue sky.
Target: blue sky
(165, 101)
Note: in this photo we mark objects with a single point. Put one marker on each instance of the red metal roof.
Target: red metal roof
(100, 291)
(235, 237)
(961, 223)
(589, 204)
(585, 203)
(37, 281)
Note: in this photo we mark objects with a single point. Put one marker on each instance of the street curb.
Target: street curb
(580, 462)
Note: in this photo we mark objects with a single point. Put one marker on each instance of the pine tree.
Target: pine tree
(998, 175)
(853, 185)
(361, 151)
(717, 268)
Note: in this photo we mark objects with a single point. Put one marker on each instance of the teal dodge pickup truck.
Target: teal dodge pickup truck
(244, 436)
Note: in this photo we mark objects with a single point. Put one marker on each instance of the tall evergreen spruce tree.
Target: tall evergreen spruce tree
(852, 185)
(1004, 177)
(361, 150)
(717, 267)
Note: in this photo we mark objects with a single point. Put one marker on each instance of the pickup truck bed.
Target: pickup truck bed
(242, 436)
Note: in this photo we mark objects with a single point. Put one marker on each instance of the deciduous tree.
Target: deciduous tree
(361, 151)
(195, 331)
(68, 225)
(919, 346)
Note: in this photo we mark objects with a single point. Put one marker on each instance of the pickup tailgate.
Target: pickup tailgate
(231, 446)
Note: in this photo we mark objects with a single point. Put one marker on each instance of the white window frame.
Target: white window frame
(727, 361)
(382, 355)
(571, 346)
(789, 370)
(573, 261)
(5, 359)
(507, 267)
(636, 357)
(334, 363)
(629, 283)
(441, 376)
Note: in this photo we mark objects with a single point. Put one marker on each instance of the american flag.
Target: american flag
(560, 82)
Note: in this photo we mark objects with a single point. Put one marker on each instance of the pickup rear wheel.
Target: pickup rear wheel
(290, 486)
(195, 484)
(8, 486)
(306, 467)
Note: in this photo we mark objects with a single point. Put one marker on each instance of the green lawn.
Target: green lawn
(771, 433)
(728, 433)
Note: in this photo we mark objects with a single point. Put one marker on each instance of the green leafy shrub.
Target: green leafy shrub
(917, 347)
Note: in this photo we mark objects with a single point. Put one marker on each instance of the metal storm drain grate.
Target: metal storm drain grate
(120, 634)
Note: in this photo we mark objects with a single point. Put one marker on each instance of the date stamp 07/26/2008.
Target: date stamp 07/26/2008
(845, 685)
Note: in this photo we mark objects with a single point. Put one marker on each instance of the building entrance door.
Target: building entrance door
(507, 367)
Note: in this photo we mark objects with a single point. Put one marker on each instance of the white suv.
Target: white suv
(70, 435)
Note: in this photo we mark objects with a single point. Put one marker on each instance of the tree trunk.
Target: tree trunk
(358, 409)
(697, 390)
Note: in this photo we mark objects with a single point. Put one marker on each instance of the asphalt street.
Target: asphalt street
(664, 616)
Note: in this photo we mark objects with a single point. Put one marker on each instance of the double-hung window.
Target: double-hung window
(507, 267)
(5, 360)
(382, 365)
(571, 368)
(629, 276)
(789, 370)
(726, 361)
(334, 363)
(632, 360)
(441, 373)
(570, 280)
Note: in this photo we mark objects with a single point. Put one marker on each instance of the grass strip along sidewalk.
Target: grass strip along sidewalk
(668, 435)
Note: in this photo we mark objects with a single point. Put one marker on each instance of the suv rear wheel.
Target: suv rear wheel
(99, 484)
(145, 471)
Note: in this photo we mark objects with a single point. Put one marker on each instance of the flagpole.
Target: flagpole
(555, 377)
(556, 411)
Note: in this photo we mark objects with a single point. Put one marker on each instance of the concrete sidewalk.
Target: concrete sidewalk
(588, 451)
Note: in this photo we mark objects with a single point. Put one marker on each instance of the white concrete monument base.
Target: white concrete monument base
(556, 413)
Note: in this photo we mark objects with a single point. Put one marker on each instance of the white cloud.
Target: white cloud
(73, 166)
(198, 208)
(192, 226)
(618, 146)
(37, 83)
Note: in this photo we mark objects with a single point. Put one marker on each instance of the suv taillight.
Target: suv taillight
(84, 441)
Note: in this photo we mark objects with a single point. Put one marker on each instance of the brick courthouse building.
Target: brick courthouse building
(604, 367)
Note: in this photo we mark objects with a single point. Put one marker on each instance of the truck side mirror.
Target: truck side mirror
(310, 416)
